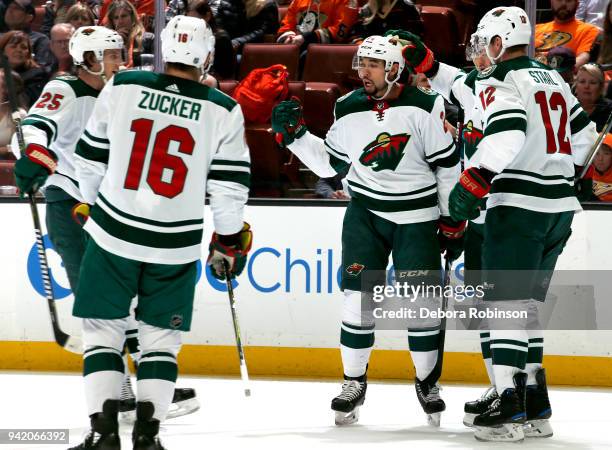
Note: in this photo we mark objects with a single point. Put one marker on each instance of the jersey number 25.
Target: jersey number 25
(160, 159)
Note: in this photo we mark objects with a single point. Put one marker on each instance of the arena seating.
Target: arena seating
(6, 173)
(255, 56)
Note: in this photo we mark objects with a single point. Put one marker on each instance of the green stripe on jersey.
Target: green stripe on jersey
(156, 223)
(95, 139)
(141, 236)
(506, 111)
(34, 119)
(579, 122)
(537, 175)
(243, 178)
(390, 194)
(532, 189)
(79, 87)
(501, 125)
(84, 150)
(229, 162)
(375, 204)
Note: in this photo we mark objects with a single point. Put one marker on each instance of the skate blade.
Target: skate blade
(347, 418)
(508, 432)
(434, 419)
(468, 419)
(183, 408)
(537, 429)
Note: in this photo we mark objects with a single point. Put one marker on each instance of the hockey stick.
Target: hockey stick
(436, 372)
(595, 148)
(70, 343)
(244, 374)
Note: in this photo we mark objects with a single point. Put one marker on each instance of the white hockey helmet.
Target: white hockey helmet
(188, 40)
(383, 48)
(511, 24)
(94, 39)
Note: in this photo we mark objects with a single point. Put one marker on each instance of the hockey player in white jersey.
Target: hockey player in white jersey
(403, 165)
(154, 146)
(457, 87)
(52, 128)
(535, 133)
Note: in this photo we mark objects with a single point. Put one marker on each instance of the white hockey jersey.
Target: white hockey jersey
(403, 160)
(458, 87)
(154, 146)
(535, 131)
(56, 121)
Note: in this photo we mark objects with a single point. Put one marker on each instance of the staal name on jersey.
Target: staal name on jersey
(167, 104)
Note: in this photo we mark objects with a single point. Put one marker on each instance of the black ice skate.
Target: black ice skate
(538, 408)
(346, 405)
(104, 433)
(504, 419)
(476, 407)
(430, 400)
(184, 402)
(146, 429)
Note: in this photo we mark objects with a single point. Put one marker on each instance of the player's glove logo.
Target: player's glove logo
(355, 269)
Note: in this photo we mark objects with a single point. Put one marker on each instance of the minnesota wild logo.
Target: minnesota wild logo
(384, 152)
(498, 12)
(471, 137)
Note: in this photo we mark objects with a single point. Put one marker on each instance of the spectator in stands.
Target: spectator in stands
(145, 9)
(60, 37)
(333, 188)
(602, 173)
(378, 16)
(589, 91)
(592, 11)
(563, 60)
(122, 17)
(324, 21)
(565, 31)
(246, 20)
(80, 15)
(55, 12)
(18, 49)
(18, 17)
(602, 50)
(7, 126)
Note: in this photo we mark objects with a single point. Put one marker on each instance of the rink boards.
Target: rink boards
(289, 305)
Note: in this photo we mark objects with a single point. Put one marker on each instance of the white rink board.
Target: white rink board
(289, 294)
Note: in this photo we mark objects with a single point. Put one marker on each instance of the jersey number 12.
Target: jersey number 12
(556, 101)
(160, 159)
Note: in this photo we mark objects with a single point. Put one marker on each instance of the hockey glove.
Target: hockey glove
(80, 213)
(465, 198)
(33, 168)
(583, 187)
(231, 248)
(450, 237)
(288, 121)
(416, 54)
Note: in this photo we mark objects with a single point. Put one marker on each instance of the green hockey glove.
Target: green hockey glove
(450, 237)
(288, 121)
(416, 54)
(231, 248)
(465, 198)
(33, 168)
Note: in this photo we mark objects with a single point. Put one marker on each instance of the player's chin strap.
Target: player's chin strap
(99, 73)
(390, 84)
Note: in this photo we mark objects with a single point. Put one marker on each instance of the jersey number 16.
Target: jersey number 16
(160, 159)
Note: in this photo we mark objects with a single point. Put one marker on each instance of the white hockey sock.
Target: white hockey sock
(485, 346)
(509, 352)
(356, 335)
(103, 376)
(423, 345)
(157, 369)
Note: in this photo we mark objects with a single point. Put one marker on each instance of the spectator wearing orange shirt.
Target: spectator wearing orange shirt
(322, 21)
(565, 30)
(602, 173)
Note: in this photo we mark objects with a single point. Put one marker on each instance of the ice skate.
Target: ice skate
(504, 419)
(430, 400)
(476, 407)
(538, 409)
(184, 402)
(127, 401)
(145, 435)
(104, 432)
(346, 405)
